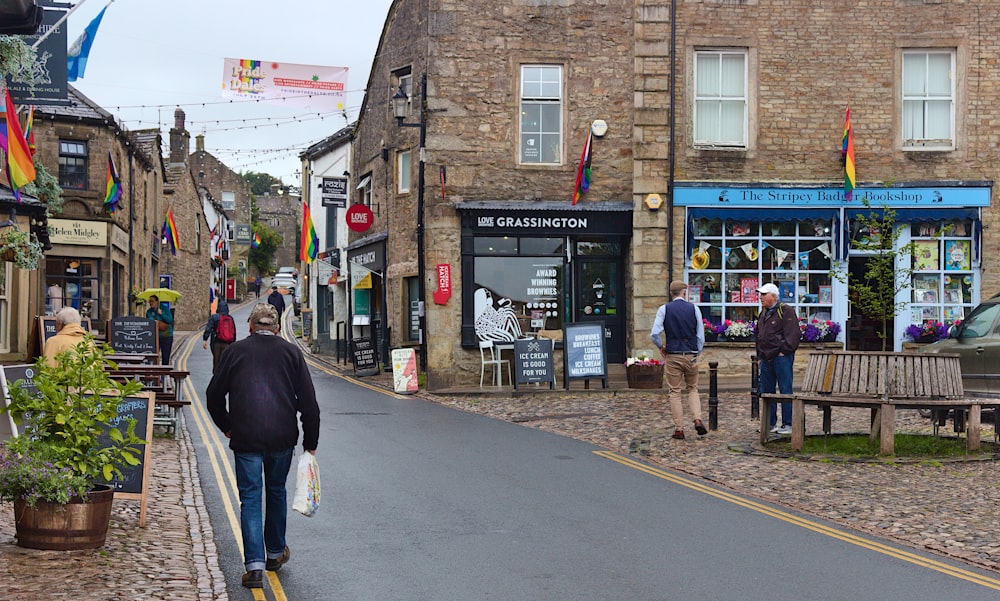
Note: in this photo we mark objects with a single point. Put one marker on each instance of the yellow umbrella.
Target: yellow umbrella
(164, 294)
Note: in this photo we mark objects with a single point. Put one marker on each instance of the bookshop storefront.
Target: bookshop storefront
(810, 243)
(528, 268)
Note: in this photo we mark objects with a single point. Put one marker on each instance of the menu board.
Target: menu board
(584, 355)
(364, 357)
(533, 362)
(139, 408)
(133, 335)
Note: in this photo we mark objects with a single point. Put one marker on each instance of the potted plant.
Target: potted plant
(54, 471)
(740, 331)
(819, 330)
(928, 331)
(644, 372)
(19, 247)
(713, 330)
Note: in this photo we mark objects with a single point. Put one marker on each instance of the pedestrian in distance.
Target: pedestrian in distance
(277, 300)
(261, 384)
(680, 335)
(256, 286)
(69, 333)
(164, 318)
(778, 337)
(220, 331)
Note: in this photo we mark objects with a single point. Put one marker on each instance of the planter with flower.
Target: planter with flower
(819, 330)
(740, 331)
(54, 469)
(20, 248)
(644, 372)
(713, 330)
(929, 331)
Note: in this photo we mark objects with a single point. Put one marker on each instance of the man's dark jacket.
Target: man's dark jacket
(276, 300)
(777, 332)
(268, 383)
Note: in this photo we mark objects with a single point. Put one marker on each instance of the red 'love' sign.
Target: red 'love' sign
(360, 218)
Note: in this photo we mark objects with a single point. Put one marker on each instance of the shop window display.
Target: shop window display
(942, 283)
(730, 259)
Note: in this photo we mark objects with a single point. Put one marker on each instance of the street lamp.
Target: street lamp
(400, 100)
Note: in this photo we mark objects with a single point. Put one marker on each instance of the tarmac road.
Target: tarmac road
(421, 501)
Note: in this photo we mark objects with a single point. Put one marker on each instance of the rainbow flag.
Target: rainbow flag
(113, 190)
(310, 241)
(255, 243)
(20, 168)
(583, 171)
(169, 232)
(847, 150)
(29, 131)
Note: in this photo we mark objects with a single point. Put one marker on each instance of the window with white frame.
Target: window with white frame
(929, 99)
(720, 102)
(541, 114)
(228, 200)
(403, 172)
(404, 81)
(364, 191)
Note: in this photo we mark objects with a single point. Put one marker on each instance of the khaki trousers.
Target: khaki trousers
(681, 371)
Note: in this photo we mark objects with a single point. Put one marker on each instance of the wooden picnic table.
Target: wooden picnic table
(166, 382)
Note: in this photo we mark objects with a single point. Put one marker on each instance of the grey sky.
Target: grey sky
(159, 54)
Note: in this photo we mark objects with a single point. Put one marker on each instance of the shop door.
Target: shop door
(862, 329)
(600, 297)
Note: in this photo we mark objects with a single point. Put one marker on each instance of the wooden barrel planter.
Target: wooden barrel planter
(644, 376)
(79, 524)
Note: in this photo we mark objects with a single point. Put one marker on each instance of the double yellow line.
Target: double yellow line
(791, 518)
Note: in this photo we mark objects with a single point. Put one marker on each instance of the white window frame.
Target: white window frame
(707, 102)
(405, 81)
(365, 187)
(914, 135)
(537, 91)
(404, 169)
(228, 200)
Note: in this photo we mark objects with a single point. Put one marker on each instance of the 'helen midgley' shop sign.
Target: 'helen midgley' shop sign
(78, 232)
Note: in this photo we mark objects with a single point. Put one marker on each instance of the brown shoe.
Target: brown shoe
(273, 565)
(254, 579)
(678, 434)
(700, 427)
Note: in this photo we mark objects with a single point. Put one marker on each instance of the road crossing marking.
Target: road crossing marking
(791, 518)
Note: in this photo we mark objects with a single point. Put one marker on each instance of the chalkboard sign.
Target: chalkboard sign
(47, 328)
(583, 352)
(533, 362)
(364, 357)
(133, 335)
(139, 408)
(11, 374)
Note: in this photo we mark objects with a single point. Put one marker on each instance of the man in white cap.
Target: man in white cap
(679, 333)
(778, 336)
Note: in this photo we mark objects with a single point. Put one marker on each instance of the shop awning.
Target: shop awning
(758, 215)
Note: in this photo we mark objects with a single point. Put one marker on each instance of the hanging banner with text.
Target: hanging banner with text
(307, 86)
(444, 284)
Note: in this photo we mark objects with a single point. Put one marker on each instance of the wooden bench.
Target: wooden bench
(166, 383)
(882, 382)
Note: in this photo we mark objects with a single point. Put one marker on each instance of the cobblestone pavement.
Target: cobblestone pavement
(946, 507)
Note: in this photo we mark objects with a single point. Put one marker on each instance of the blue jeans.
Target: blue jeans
(263, 536)
(778, 371)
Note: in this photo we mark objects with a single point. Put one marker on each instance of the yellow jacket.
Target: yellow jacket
(67, 338)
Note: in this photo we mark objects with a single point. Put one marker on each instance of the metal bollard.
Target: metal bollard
(754, 387)
(713, 395)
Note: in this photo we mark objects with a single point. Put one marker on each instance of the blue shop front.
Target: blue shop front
(810, 242)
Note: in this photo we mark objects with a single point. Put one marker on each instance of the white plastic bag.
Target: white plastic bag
(306, 500)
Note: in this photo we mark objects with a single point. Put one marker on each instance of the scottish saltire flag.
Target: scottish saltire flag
(169, 232)
(20, 168)
(113, 190)
(583, 171)
(255, 243)
(310, 241)
(76, 56)
(850, 178)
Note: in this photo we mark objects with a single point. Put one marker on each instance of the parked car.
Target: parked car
(284, 280)
(976, 341)
(288, 270)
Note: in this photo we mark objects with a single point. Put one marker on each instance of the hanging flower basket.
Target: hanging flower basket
(20, 248)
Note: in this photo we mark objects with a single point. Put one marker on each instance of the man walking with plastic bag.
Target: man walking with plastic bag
(267, 383)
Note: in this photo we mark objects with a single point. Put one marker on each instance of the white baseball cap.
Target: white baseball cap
(768, 289)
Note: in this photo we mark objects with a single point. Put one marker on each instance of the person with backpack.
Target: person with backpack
(221, 328)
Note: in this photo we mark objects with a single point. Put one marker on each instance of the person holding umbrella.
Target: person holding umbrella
(164, 324)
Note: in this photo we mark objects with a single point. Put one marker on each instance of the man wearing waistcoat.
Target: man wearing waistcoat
(680, 335)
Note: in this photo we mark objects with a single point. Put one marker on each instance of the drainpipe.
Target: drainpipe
(671, 152)
(131, 220)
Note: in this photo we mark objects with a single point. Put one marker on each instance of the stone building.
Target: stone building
(189, 270)
(717, 159)
(226, 196)
(281, 210)
(98, 257)
(507, 94)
